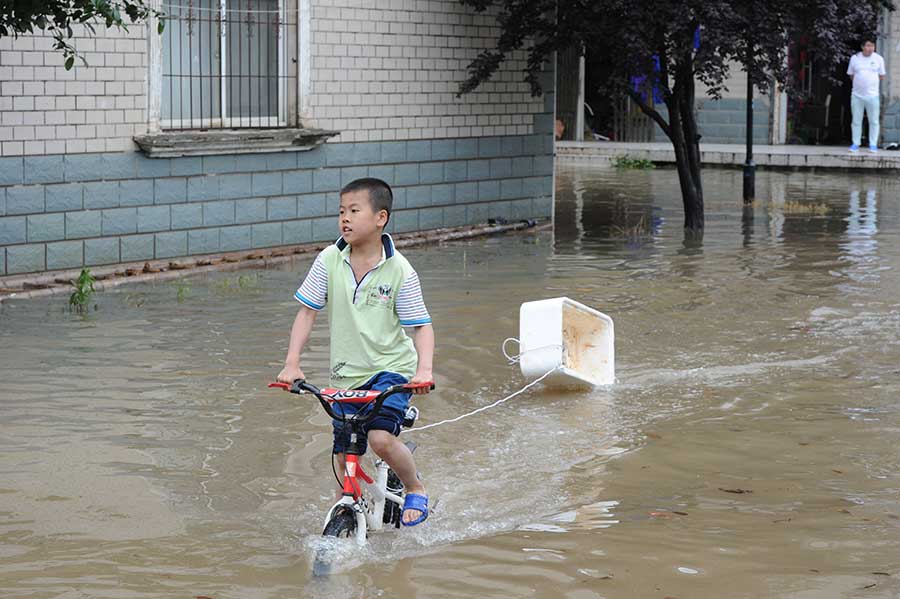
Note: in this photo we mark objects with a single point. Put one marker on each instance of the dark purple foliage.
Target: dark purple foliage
(627, 35)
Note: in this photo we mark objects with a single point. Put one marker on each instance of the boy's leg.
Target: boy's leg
(341, 440)
(382, 437)
(398, 456)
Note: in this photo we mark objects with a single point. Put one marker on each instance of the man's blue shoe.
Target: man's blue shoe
(873, 149)
(854, 148)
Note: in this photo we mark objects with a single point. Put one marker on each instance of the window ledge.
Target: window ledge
(173, 144)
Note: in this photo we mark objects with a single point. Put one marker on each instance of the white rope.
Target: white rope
(512, 359)
(483, 408)
(518, 357)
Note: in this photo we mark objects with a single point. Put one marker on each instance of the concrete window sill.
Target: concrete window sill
(173, 144)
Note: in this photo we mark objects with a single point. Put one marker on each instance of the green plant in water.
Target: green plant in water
(183, 292)
(84, 289)
(627, 161)
(241, 283)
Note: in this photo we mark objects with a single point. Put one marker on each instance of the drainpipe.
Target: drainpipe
(579, 112)
(749, 167)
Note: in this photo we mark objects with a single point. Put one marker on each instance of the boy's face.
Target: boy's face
(868, 48)
(357, 220)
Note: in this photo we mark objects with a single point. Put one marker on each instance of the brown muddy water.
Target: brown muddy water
(751, 447)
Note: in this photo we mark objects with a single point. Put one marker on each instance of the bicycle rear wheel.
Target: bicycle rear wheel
(392, 511)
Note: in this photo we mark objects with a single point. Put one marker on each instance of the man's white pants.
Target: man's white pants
(872, 106)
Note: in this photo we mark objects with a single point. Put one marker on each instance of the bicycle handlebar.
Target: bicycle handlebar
(328, 396)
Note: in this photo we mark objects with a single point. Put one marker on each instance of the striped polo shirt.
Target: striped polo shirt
(366, 317)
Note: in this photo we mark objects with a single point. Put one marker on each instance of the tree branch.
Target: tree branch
(650, 111)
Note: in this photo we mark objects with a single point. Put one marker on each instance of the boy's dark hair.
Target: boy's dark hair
(380, 193)
(865, 39)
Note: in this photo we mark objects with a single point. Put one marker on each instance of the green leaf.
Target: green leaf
(160, 26)
(69, 62)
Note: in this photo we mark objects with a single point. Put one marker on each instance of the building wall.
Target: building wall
(90, 199)
(735, 84)
(724, 121)
(45, 109)
(65, 211)
(393, 73)
(890, 88)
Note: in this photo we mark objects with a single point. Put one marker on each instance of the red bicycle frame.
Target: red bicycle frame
(352, 469)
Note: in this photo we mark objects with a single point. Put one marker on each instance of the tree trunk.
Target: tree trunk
(687, 158)
(688, 162)
(693, 210)
(681, 129)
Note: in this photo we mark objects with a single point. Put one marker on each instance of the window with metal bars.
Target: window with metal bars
(229, 64)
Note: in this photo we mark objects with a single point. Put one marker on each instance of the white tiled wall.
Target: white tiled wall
(45, 109)
(384, 70)
(380, 70)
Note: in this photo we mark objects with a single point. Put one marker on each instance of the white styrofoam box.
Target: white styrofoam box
(563, 333)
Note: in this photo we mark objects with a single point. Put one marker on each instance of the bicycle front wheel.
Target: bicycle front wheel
(342, 524)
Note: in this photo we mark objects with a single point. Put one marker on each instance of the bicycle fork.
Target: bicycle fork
(369, 515)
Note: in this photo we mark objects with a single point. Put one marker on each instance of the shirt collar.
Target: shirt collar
(387, 247)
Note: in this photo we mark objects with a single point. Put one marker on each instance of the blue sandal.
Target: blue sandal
(414, 501)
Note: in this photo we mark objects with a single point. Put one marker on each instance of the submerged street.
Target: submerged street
(748, 448)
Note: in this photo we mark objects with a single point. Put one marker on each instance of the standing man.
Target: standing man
(866, 70)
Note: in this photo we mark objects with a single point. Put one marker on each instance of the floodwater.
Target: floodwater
(748, 449)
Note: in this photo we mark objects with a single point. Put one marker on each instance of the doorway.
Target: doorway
(818, 113)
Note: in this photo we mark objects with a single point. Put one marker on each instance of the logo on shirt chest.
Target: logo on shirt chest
(380, 295)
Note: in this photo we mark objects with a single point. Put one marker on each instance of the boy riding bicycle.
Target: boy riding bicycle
(373, 294)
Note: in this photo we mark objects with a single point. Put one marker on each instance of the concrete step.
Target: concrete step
(784, 156)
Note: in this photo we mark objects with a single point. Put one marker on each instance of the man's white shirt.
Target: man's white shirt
(866, 71)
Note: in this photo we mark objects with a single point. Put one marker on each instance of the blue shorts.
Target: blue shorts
(389, 418)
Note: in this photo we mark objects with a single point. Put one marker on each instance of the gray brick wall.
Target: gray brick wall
(725, 121)
(890, 124)
(93, 209)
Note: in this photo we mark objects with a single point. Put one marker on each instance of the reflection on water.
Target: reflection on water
(749, 444)
(861, 245)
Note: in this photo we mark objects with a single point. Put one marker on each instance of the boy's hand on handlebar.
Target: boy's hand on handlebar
(289, 374)
(420, 378)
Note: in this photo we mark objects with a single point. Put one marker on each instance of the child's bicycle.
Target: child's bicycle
(356, 513)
